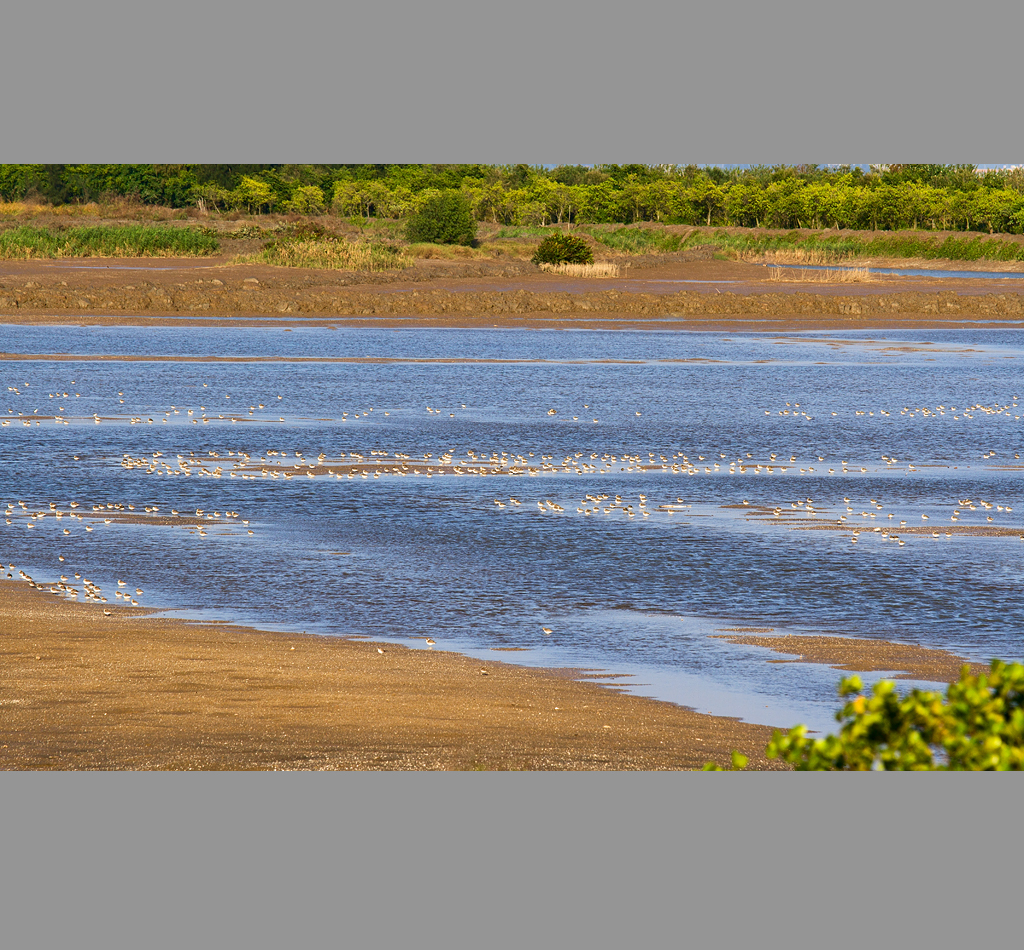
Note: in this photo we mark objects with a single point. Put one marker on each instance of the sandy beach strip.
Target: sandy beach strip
(83, 690)
(903, 660)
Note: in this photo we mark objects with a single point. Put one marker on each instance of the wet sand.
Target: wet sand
(903, 660)
(82, 690)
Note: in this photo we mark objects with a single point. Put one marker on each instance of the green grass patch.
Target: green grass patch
(107, 241)
(521, 231)
(328, 253)
(639, 240)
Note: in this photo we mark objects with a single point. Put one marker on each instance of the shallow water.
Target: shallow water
(910, 424)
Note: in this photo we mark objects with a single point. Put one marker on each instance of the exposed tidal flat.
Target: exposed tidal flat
(656, 510)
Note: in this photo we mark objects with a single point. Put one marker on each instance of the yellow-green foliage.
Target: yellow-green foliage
(306, 199)
(885, 198)
(334, 253)
(978, 725)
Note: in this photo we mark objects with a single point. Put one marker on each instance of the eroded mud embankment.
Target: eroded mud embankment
(204, 298)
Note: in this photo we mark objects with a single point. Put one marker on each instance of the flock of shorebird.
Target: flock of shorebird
(377, 463)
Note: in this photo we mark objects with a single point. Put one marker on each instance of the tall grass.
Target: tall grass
(639, 240)
(830, 250)
(328, 253)
(599, 269)
(106, 241)
(448, 252)
(844, 275)
(17, 209)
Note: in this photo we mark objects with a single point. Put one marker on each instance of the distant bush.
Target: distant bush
(563, 249)
(446, 218)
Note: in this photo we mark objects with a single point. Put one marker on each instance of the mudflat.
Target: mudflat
(85, 687)
(679, 293)
(83, 690)
(902, 660)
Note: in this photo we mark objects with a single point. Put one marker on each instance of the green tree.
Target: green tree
(350, 198)
(745, 204)
(306, 199)
(445, 218)
(211, 195)
(707, 195)
(253, 194)
(829, 201)
(497, 203)
(978, 725)
(563, 202)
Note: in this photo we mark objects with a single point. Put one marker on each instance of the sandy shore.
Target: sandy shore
(83, 690)
(904, 660)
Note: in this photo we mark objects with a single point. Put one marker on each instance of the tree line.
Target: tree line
(886, 197)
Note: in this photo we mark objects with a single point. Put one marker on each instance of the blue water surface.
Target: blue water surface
(925, 427)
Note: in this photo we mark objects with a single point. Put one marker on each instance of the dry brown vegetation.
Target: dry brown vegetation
(599, 269)
(337, 254)
(840, 275)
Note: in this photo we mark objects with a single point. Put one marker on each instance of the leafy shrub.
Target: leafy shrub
(562, 248)
(446, 218)
(977, 726)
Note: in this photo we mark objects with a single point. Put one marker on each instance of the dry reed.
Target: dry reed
(842, 275)
(328, 254)
(796, 255)
(599, 269)
(447, 252)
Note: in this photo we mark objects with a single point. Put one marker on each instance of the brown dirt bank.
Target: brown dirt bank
(476, 294)
(80, 690)
(848, 653)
